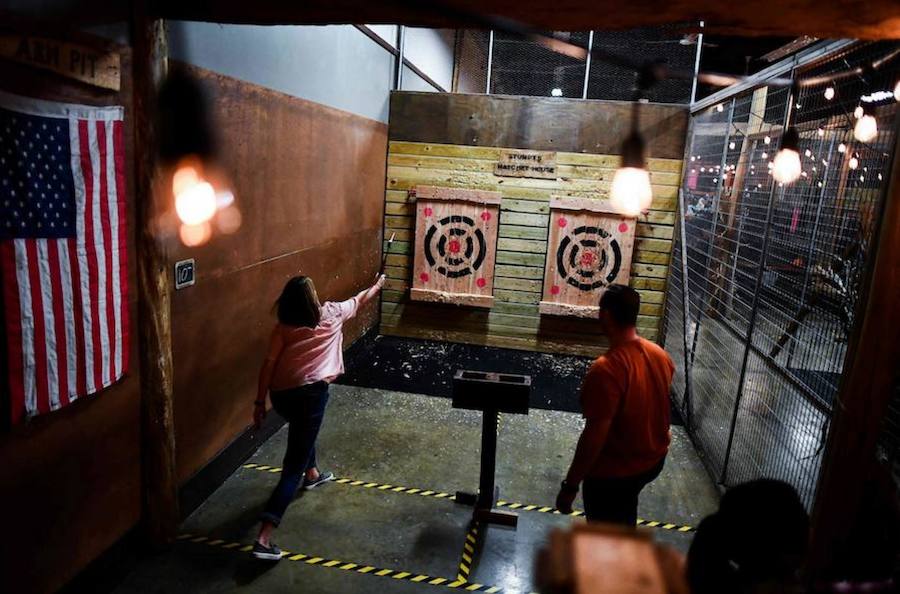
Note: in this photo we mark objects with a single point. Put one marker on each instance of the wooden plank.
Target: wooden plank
(585, 204)
(477, 158)
(529, 206)
(529, 233)
(454, 298)
(518, 284)
(398, 306)
(456, 194)
(522, 245)
(75, 61)
(562, 309)
(524, 219)
(522, 272)
(408, 178)
(535, 123)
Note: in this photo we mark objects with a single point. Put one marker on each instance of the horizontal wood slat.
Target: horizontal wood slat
(514, 319)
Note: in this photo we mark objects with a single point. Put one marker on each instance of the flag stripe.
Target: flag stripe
(49, 322)
(78, 258)
(14, 337)
(99, 258)
(121, 250)
(67, 307)
(103, 140)
(35, 328)
(59, 322)
(90, 292)
(115, 305)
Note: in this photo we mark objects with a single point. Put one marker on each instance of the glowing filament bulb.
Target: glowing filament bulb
(854, 163)
(195, 198)
(842, 148)
(866, 129)
(858, 112)
(829, 93)
(897, 91)
(786, 167)
(767, 139)
(631, 193)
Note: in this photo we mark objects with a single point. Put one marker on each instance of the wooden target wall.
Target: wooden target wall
(589, 247)
(455, 246)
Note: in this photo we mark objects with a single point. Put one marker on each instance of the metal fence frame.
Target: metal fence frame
(785, 69)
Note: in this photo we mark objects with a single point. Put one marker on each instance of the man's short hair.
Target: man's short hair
(622, 303)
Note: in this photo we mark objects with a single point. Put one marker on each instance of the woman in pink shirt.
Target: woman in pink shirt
(305, 356)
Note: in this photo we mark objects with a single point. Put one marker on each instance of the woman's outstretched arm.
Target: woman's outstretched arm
(367, 295)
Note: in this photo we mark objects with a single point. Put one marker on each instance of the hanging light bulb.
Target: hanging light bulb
(786, 168)
(556, 92)
(829, 93)
(195, 198)
(631, 192)
(767, 139)
(866, 128)
(854, 162)
(897, 91)
(858, 112)
(842, 148)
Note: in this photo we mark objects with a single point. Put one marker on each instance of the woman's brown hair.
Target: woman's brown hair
(298, 304)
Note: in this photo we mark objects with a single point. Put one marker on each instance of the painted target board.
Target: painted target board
(589, 248)
(456, 241)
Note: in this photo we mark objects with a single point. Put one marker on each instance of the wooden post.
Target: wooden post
(866, 388)
(160, 501)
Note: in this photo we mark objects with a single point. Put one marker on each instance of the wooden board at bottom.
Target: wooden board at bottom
(564, 309)
(454, 298)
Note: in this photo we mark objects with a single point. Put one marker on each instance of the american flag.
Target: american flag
(62, 251)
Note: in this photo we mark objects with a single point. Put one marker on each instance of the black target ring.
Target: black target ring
(583, 258)
(454, 246)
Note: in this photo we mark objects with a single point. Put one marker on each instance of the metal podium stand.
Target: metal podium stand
(491, 393)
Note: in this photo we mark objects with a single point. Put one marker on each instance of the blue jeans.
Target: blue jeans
(303, 408)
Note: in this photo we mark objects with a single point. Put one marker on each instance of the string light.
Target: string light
(786, 168)
(829, 93)
(767, 140)
(866, 128)
(731, 145)
(720, 108)
(897, 91)
(820, 132)
(556, 92)
(854, 162)
(858, 112)
(765, 155)
(842, 148)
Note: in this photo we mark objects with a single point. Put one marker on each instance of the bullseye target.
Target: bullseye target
(454, 246)
(588, 258)
(456, 237)
(588, 249)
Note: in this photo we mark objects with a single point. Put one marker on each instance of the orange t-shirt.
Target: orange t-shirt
(630, 385)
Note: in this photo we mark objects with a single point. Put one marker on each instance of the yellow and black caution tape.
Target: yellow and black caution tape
(469, 553)
(409, 576)
(546, 509)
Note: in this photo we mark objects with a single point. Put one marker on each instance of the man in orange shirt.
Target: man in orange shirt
(625, 402)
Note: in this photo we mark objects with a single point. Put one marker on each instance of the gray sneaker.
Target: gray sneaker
(324, 477)
(269, 553)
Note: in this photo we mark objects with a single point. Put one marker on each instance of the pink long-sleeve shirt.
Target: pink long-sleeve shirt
(315, 354)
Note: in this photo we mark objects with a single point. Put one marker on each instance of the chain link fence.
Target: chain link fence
(765, 277)
(518, 66)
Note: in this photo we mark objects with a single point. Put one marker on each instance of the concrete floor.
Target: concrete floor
(412, 441)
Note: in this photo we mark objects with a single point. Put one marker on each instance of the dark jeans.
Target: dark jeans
(303, 408)
(615, 500)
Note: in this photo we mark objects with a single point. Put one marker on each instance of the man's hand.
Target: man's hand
(565, 499)
(259, 414)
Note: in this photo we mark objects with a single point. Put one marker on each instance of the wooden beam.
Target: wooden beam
(866, 388)
(880, 19)
(160, 501)
(877, 19)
